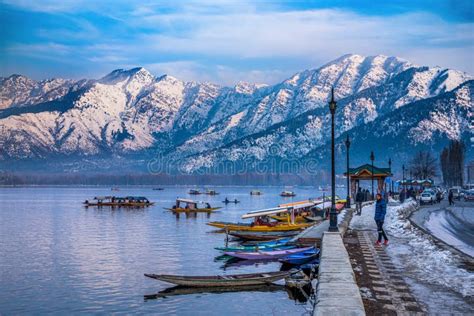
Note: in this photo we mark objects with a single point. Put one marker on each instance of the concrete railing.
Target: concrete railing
(337, 292)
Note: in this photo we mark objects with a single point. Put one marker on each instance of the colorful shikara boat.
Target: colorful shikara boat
(265, 255)
(185, 205)
(222, 280)
(255, 248)
(272, 227)
(262, 222)
(301, 209)
(263, 236)
(127, 201)
(301, 257)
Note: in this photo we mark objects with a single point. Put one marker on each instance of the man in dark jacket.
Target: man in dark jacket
(379, 217)
(359, 200)
(451, 197)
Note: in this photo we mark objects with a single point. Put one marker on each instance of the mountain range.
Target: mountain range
(130, 119)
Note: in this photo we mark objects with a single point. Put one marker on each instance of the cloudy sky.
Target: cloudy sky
(227, 41)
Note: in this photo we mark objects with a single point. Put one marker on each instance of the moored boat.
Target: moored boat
(222, 280)
(255, 248)
(265, 255)
(301, 257)
(263, 236)
(185, 205)
(272, 227)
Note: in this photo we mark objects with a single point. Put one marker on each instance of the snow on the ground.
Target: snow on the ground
(365, 221)
(421, 257)
(448, 225)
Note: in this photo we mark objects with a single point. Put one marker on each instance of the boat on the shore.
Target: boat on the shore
(185, 205)
(127, 201)
(263, 236)
(262, 222)
(255, 248)
(271, 227)
(265, 255)
(222, 280)
(301, 257)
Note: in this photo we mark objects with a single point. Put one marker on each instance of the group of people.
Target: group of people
(362, 195)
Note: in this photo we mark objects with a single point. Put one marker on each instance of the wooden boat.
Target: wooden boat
(127, 201)
(158, 189)
(262, 236)
(227, 201)
(222, 280)
(256, 192)
(211, 192)
(301, 257)
(287, 194)
(272, 227)
(190, 206)
(194, 192)
(265, 255)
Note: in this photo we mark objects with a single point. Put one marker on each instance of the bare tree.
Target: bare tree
(452, 163)
(424, 165)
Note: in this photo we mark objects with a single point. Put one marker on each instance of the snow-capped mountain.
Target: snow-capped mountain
(425, 124)
(17, 90)
(131, 112)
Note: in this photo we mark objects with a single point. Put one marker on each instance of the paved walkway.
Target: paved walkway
(387, 283)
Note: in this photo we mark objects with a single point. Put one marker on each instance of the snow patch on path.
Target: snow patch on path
(421, 257)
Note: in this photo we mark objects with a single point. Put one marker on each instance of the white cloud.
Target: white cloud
(233, 41)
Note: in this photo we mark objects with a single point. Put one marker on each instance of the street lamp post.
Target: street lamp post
(404, 184)
(348, 198)
(372, 158)
(390, 168)
(333, 214)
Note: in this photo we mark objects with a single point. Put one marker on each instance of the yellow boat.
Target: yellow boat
(191, 207)
(273, 227)
(284, 218)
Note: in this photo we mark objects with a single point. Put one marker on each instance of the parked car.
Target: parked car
(427, 197)
(469, 195)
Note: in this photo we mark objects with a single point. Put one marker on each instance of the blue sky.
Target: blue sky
(227, 41)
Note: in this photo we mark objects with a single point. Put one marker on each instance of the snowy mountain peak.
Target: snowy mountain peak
(119, 75)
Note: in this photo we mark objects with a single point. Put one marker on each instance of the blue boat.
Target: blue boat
(301, 257)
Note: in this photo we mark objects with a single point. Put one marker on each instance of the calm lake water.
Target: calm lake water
(58, 256)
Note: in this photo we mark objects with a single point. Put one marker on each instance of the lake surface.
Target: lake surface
(58, 256)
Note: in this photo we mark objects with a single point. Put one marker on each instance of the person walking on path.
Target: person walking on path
(451, 197)
(359, 200)
(379, 217)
